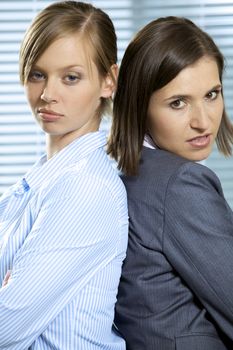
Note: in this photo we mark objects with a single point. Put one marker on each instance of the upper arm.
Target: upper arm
(198, 239)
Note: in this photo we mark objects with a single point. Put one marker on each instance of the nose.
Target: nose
(49, 95)
(199, 117)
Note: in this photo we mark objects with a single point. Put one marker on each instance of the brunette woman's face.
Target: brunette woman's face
(184, 116)
(64, 90)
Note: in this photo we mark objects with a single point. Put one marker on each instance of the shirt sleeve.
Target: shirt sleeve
(75, 234)
(198, 239)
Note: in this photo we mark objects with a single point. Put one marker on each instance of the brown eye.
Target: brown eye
(212, 95)
(177, 104)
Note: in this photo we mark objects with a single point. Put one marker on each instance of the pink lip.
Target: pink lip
(49, 115)
(200, 141)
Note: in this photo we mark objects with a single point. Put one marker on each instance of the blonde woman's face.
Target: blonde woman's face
(64, 90)
(184, 116)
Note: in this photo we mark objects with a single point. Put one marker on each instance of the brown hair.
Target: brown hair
(155, 56)
(61, 19)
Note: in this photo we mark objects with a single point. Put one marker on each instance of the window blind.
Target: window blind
(21, 141)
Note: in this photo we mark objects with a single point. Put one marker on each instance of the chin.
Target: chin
(198, 157)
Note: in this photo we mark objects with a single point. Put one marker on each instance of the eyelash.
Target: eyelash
(216, 92)
(69, 79)
(74, 79)
(35, 76)
(208, 96)
(174, 106)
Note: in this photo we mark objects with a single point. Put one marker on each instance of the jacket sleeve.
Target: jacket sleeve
(74, 235)
(198, 239)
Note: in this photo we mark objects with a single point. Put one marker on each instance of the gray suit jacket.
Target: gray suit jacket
(176, 290)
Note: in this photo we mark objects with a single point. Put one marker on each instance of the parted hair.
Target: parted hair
(154, 57)
(63, 18)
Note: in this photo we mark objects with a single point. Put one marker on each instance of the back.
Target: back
(160, 303)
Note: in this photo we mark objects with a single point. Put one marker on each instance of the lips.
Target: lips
(49, 115)
(200, 141)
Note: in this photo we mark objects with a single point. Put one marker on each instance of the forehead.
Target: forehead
(199, 77)
(70, 50)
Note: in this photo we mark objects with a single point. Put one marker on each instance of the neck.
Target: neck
(53, 145)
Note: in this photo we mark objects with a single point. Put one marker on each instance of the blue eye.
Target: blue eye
(71, 78)
(36, 76)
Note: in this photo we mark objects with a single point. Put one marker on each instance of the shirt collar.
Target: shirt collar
(148, 142)
(69, 155)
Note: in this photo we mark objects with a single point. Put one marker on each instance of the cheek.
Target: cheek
(160, 126)
(221, 108)
(32, 94)
(81, 96)
(92, 100)
(217, 112)
(220, 105)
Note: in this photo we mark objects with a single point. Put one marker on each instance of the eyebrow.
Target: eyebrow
(74, 66)
(180, 96)
(36, 66)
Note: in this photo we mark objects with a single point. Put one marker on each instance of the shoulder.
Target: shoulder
(90, 177)
(192, 175)
(194, 194)
(170, 166)
(164, 175)
(105, 175)
(155, 165)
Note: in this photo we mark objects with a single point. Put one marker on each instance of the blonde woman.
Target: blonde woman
(64, 225)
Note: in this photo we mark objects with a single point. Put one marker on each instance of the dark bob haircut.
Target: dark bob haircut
(154, 57)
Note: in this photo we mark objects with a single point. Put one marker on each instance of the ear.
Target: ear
(109, 82)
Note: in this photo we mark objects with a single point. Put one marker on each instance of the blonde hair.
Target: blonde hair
(68, 17)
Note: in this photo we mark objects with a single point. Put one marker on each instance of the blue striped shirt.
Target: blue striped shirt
(63, 233)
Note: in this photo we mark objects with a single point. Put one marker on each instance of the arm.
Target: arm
(74, 235)
(198, 239)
